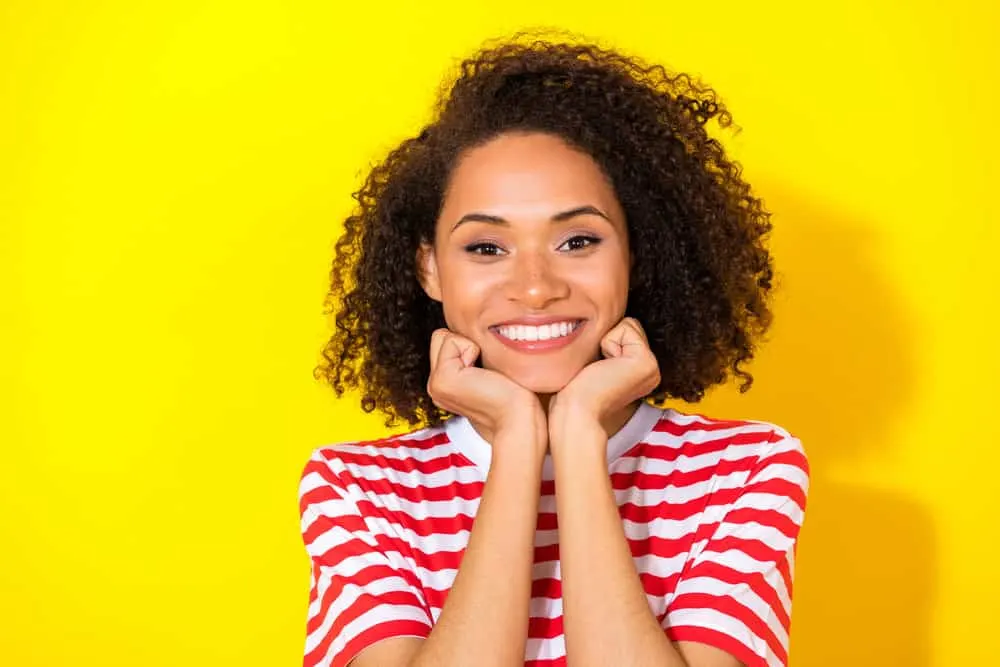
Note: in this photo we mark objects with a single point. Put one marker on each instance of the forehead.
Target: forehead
(525, 174)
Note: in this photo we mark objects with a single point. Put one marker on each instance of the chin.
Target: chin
(539, 383)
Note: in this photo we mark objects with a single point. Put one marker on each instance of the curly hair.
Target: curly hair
(701, 275)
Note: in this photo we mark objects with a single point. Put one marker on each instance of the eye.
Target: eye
(484, 249)
(580, 242)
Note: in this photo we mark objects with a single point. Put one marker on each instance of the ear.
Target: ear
(427, 271)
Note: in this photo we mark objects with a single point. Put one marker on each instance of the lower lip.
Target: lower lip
(539, 345)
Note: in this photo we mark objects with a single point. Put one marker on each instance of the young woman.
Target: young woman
(561, 250)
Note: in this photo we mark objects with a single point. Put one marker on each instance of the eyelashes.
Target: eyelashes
(581, 242)
(572, 244)
(483, 249)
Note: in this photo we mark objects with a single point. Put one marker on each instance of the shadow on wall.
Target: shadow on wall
(838, 372)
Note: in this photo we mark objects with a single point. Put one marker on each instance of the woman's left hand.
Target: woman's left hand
(627, 373)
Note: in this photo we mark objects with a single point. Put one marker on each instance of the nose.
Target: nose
(535, 281)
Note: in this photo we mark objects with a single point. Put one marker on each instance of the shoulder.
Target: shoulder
(697, 440)
(337, 469)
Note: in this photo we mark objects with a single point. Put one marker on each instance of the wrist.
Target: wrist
(576, 431)
(524, 430)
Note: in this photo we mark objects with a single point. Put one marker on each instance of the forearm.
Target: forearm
(485, 616)
(606, 616)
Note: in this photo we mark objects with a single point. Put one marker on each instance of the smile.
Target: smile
(528, 332)
(537, 338)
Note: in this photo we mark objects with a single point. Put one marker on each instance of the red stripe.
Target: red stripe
(437, 464)
(666, 425)
(545, 628)
(771, 518)
(659, 586)
(546, 554)
(754, 581)
(732, 608)
(418, 494)
(389, 442)
(426, 527)
(399, 628)
(550, 662)
(364, 602)
(546, 587)
(682, 478)
(720, 640)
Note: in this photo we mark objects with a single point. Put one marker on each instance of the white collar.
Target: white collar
(468, 441)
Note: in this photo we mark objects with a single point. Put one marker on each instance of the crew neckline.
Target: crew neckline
(467, 440)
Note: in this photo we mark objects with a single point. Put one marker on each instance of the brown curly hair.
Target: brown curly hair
(701, 274)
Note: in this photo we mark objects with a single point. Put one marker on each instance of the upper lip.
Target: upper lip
(537, 320)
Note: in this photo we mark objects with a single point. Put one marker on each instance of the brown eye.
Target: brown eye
(483, 249)
(580, 242)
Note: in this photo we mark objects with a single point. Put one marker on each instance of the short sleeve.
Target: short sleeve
(361, 588)
(735, 593)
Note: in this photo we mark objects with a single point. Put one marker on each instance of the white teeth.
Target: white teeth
(527, 332)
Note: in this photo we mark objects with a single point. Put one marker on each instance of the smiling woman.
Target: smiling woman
(559, 252)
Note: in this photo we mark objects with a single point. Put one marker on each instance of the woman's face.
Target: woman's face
(530, 258)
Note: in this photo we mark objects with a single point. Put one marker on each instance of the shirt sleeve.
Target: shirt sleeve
(735, 593)
(362, 590)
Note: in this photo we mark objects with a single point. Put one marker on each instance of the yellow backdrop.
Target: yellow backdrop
(173, 176)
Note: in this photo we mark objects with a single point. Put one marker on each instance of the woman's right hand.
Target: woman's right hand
(491, 401)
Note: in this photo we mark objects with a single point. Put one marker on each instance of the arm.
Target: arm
(606, 616)
(485, 617)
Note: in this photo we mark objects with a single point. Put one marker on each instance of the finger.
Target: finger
(633, 339)
(612, 343)
(455, 352)
(634, 324)
(467, 351)
(437, 340)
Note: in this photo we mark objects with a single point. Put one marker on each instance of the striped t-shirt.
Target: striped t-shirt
(711, 510)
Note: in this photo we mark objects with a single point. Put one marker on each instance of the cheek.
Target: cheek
(464, 294)
(606, 286)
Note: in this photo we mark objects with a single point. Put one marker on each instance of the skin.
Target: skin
(565, 402)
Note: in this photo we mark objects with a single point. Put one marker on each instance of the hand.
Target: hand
(627, 373)
(490, 400)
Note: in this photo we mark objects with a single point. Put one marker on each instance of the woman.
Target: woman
(562, 249)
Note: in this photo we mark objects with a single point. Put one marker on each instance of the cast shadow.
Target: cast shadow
(838, 372)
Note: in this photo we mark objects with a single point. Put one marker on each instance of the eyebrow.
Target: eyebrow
(558, 217)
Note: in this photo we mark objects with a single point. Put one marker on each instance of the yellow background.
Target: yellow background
(172, 177)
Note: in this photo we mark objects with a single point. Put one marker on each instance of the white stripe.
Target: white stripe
(350, 593)
(783, 471)
(543, 607)
(739, 561)
(716, 620)
(400, 452)
(312, 481)
(654, 465)
(415, 479)
(679, 494)
(742, 594)
(377, 615)
(699, 437)
(658, 566)
(752, 530)
(545, 649)
(772, 502)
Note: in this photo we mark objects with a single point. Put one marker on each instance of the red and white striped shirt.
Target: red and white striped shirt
(711, 510)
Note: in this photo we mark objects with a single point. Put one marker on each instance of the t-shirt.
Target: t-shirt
(711, 509)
